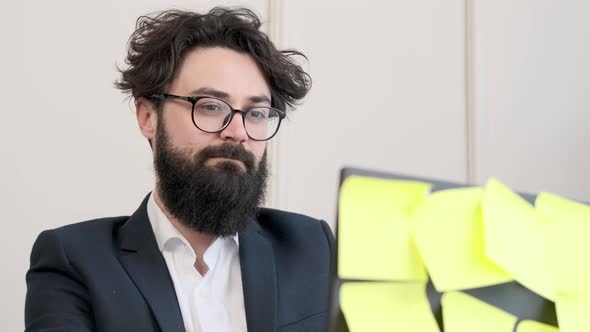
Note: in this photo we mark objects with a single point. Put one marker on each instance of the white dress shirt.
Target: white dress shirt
(210, 303)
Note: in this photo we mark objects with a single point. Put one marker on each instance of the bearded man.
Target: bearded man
(200, 253)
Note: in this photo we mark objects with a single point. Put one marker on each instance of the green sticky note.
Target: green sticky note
(569, 224)
(517, 238)
(573, 312)
(386, 307)
(448, 230)
(374, 239)
(465, 313)
(532, 326)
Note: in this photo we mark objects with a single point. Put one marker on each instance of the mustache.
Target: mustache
(227, 150)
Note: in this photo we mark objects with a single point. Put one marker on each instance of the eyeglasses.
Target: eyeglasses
(213, 115)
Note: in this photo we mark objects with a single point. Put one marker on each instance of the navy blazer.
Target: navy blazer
(109, 275)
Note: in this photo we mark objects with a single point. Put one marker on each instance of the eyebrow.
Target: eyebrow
(224, 95)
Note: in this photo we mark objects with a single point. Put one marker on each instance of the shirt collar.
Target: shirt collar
(164, 230)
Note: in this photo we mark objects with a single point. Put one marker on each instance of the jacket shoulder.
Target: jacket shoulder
(289, 228)
(91, 228)
(273, 217)
(96, 234)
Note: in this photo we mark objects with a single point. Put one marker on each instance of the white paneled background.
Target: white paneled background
(389, 93)
(457, 90)
(532, 94)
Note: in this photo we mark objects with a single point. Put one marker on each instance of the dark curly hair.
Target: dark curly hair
(161, 41)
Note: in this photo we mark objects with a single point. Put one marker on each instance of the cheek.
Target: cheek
(184, 135)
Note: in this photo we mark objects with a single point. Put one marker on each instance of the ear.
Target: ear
(147, 117)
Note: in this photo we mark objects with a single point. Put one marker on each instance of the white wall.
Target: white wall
(532, 94)
(520, 113)
(389, 93)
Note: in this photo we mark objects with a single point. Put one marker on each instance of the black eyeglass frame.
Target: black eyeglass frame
(195, 99)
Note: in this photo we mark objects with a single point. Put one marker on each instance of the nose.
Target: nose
(235, 131)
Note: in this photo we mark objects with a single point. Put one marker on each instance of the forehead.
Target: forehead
(221, 69)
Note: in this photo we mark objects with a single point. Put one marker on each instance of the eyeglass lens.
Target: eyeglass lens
(211, 115)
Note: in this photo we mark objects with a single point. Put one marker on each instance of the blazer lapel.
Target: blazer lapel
(141, 258)
(259, 279)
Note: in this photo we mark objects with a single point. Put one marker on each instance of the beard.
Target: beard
(218, 199)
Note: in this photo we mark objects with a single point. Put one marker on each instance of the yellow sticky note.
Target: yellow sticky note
(569, 224)
(573, 312)
(465, 313)
(374, 239)
(448, 230)
(517, 238)
(386, 307)
(532, 326)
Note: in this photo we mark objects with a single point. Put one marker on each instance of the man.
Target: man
(199, 254)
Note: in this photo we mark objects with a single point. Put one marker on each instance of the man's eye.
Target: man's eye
(210, 107)
(256, 114)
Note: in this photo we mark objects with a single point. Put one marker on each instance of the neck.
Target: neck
(198, 241)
